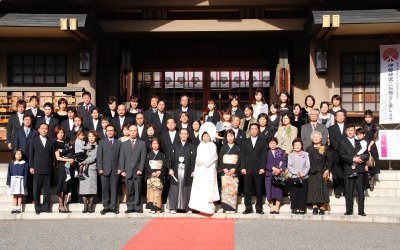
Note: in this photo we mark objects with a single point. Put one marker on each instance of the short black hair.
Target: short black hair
(360, 131)
(368, 112)
(255, 124)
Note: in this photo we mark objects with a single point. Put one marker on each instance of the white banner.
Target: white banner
(389, 112)
(388, 144)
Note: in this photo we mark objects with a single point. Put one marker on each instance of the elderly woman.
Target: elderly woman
(320, 166)
(286, 134)
(276, 163)
(298, 167)
(88, 186)
(205, 186)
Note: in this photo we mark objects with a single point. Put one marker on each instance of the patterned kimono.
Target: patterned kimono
(155, 162)
(229, 184)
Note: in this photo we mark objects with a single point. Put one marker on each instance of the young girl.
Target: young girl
(234, 108)
(283, 103)
(80, 153)
(211, 115)
(156, 166)
(259, 105)
(16, 180)
(337, 104)
(325, 117)
(274, 117)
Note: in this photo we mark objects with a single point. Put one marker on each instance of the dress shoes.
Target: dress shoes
(115, 211)
(140, 211)
(348, 213)
(362, 214)
(104, 211)
(247, 211)
(315, 211)
(260, 211)
(130, 211)
(37, 212)
(321, 211)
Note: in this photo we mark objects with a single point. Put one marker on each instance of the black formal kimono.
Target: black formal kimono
(179, 192)
(229, 184)
(194, 139)
(155, 184)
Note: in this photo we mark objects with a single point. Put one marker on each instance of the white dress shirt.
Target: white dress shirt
(352, 142)
(161, 116)
(71, 124)
(95, 122)
(341, 126)
(253, 141)
(140, 130)
(20, 118)
(121, 121)
(172, 135)
(34, 111)
(43, 139)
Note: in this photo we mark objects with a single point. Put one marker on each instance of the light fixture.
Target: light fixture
(84, 62)
(321, 60)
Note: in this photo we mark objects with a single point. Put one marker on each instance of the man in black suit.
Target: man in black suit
(85, 109)
(140, 125)
(48, 119)
(107, 165)
(94, 123)
(160, 118)
(170, 137)
(348, 148)
(185, 108)
(131, 162)
(34, 111)
(121, 119)
(336, 133)
(153, 109)
(22, 141)
(15, 122)
(68, 125)
(41, 161)
(253, 158)
(240, 135)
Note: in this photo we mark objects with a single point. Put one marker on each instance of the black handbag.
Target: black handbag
(279, 181)
(297, 182)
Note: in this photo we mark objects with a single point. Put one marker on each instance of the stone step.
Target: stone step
(282, 216)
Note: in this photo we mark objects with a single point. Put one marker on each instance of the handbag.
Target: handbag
(279, 181)
(296, 182)
(371, 161)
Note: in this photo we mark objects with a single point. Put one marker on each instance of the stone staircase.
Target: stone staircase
(381, 205)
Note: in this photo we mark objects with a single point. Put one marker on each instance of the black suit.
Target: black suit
(89, 125)
(52, 124)
(161, 126)
(13, 126)
(192, 114)
(253, 159)
(107, 160)
(39, 114)
(347, 153)
(166, 143)
(41, 159)
(335, 135)
(107, 113)
(66, 127)
(118, 127)
(147, 115)
(81, 111)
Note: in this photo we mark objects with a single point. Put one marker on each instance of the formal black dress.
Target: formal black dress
(371, 133)
(300, 122)
(317, 187)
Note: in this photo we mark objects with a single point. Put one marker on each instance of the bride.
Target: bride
(205, 187)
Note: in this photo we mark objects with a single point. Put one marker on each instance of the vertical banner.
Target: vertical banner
(389, 112)
(388, 144)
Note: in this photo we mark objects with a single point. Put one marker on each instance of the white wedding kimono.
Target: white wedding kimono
(205, 186)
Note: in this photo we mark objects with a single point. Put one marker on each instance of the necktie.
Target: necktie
(313, 127)
(133, 144)
(86, 109)
(111, 142)
(26, 132)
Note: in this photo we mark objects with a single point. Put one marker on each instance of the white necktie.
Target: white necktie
(27, 132)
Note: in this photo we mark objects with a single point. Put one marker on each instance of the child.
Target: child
(16, 179)
(80, 153)
(155, 164)
(325, 117)
(66, 151)
(360, 134)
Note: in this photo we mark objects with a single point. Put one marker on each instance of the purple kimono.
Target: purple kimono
(274, 192)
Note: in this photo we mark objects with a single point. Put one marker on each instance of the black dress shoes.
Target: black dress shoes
(321, 211)
(104, 211)
(315, 211)
(362, 214)
(37, 212)
(115, 211)
(260, 211)
(247, 211)
(130, 211)
(140, 211)
(348, 213)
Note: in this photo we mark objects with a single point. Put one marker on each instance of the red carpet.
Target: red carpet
(184, 233)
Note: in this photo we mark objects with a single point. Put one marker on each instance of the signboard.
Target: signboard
(389, 112)
(388, 144)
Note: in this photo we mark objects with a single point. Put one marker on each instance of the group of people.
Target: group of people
(190, 160)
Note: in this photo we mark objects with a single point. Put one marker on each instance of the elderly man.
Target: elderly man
(307, 129)
(121, 119)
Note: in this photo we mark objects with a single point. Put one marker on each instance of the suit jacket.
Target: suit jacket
(89, 125)
(161, 126)
(147, 115)
(285, 139)
(166, 143)
(144, 133)
(132, 160)
(192, 114)
(81, 111)
(13, 126)
(253, 159)
(347, 153)
(108, 156)
(23, 142)
(306, 131)
(53, 123)
(41, 158)
(39, 114)
(107, 113)
(118, 128)
(335, 135)
(65, 126)
(239, 113)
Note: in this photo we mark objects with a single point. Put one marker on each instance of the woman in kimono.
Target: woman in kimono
(276, 163)
(155, 168)
(205, 185)
(181, 161)
(229, 162)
